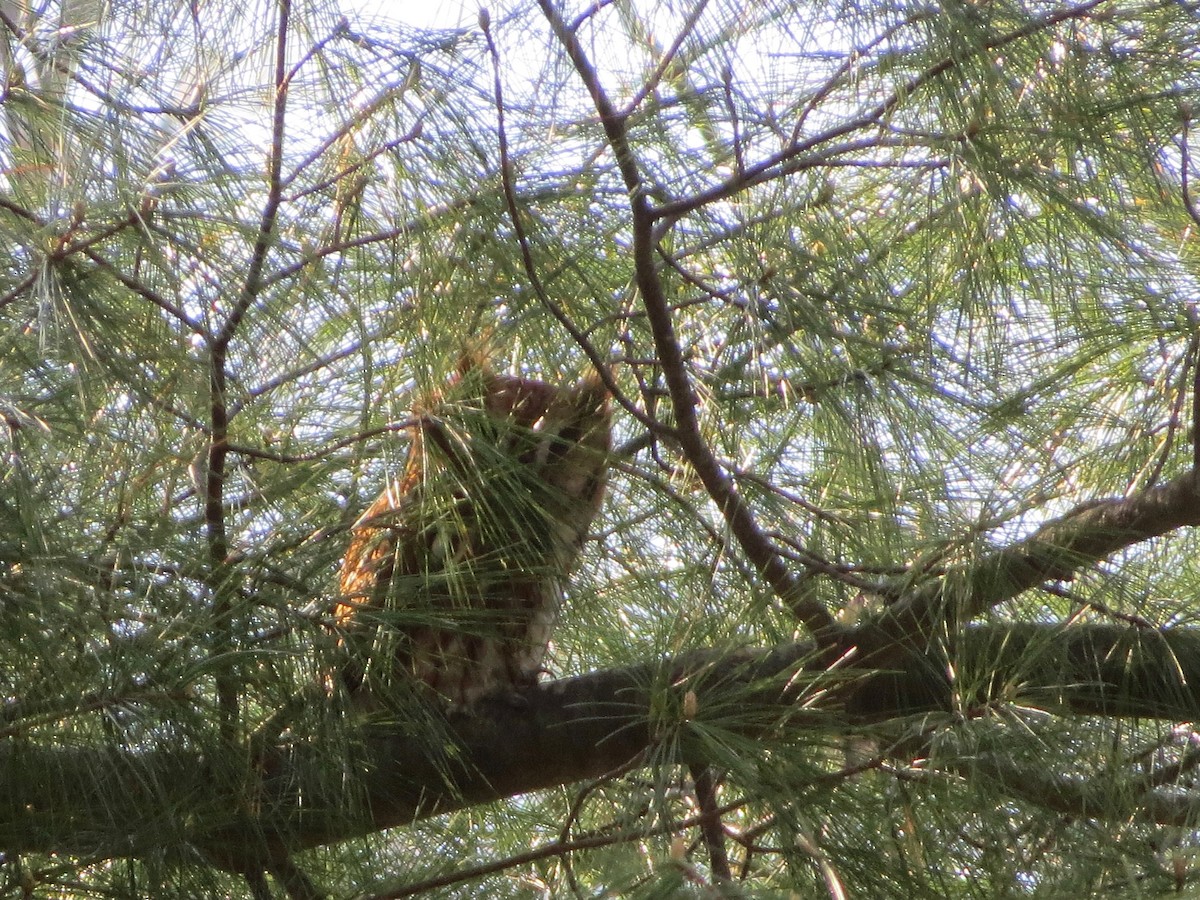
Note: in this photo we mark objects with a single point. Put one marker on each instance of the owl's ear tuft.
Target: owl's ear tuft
(473, 380)
(593, 385)
(592, 396)
(474, 357)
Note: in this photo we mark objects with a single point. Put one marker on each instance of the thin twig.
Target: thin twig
(704, 780)
(1189, 204)
(547, 851)
(137, 287)
(667, 58)
(218, 448)
(577, 334)
(775, 165)
(564, 834)
(290, 458)
(795, 592)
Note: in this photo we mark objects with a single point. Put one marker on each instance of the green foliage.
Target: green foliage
(930, 275)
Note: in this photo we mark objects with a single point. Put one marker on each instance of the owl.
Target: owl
(454, 576)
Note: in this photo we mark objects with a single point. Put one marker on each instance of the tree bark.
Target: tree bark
(108, 802)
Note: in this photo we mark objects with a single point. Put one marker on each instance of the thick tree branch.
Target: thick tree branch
(1087, 534)
(110, 802)
(120, 802)
(1081, 796)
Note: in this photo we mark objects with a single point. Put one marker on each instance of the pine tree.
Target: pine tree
(891, 594)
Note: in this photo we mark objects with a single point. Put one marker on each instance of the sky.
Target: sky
(419, 13)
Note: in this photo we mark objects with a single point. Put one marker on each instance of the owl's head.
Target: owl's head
(555, 439)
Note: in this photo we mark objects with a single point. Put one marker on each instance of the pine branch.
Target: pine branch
(563, 732)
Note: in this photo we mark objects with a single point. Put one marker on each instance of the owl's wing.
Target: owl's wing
(368, 568)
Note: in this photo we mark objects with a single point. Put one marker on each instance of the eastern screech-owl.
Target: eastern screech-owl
(454, 576)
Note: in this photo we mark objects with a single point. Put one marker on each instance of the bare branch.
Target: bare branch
(601, 365)
(214, 476)
(796, 593)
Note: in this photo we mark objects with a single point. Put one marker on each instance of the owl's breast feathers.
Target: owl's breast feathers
(454, 575)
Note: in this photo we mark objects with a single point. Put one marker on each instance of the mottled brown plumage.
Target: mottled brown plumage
(454, 576)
